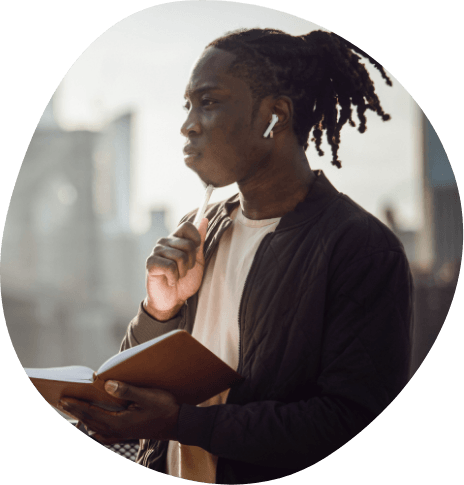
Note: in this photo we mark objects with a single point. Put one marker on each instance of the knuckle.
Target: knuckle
(179, 231)
(184, 225)
(189, 224)
(171, 266)
(151, 262)
(189, 231)
(162, 242)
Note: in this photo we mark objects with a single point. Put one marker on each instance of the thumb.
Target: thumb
(122, 390)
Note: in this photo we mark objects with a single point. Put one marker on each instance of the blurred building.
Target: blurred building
(443, 224)
(72, 270)
(407, 237)
(434, 252)
(438, 246)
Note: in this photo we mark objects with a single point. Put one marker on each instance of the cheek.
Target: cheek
(232, 145)
(238, 136)
(229, 139)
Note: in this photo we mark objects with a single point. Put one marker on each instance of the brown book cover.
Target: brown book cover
(175, 362)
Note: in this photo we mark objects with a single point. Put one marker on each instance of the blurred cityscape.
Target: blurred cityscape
(73, 271)
(436, 252)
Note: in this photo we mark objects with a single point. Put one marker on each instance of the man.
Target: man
(303, 292)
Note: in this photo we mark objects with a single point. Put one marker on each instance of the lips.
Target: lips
(189, 151)
(191, 155)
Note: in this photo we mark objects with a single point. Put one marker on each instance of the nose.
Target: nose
(191, 125)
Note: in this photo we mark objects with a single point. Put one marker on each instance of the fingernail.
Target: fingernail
(111, 386)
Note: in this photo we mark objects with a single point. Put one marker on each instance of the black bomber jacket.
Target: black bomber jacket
(324, 325)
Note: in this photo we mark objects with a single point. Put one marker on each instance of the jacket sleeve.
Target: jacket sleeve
(364, 365)
(144, 327)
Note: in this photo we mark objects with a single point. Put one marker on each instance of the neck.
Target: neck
(277, 186)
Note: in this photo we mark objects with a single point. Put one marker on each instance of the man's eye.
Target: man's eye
(207, 102)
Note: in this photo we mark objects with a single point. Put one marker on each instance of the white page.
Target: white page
(126, 354)
(73, 373)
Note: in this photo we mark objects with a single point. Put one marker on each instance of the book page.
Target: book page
(126, 354)
(73, 373)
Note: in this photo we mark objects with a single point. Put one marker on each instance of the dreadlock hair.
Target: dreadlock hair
(320, 72)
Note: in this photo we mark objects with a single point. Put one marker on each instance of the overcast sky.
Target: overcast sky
(142, 64)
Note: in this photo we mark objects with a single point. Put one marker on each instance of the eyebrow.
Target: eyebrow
(207, 87)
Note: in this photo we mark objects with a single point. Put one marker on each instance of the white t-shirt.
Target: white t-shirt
(216, 325)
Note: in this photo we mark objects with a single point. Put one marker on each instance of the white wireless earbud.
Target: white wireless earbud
(274, 120)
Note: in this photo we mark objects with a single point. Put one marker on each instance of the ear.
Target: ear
(283, 108)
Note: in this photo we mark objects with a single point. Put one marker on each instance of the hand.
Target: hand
(175, 270)
(152, 414)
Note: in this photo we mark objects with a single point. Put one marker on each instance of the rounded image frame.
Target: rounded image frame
(417, 438)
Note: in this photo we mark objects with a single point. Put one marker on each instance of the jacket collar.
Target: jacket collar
(321, 194)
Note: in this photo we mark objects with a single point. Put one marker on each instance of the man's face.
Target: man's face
(223, 144)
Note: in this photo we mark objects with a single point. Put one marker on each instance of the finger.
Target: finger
(187, 246)
(142, 398)
(188, 231)
(86, 419)
(160, 266)
(126, 391)
(95, 419)
(88, 413)
(181, 243)
(181, 258)
(70, 403)
(79, 405)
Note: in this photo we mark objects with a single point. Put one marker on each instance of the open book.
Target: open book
(175, 362)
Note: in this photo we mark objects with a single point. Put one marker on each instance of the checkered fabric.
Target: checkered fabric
(128, 449)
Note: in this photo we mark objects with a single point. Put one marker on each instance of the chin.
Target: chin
(207, 181)
(191, 162)
(215, 183)
(212, 177)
